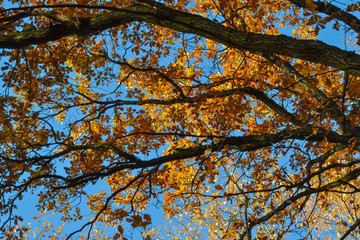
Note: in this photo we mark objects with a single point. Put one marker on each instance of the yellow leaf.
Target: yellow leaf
(207, 151)
(310, 5)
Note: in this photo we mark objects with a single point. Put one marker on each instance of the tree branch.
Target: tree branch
(331, 10)
(310, 50)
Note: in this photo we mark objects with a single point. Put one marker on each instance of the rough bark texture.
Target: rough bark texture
(310, 50)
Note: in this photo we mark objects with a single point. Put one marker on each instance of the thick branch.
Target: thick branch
(242, 143)
(310, 50)
(250, 143)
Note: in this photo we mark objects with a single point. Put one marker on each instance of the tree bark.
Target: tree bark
(309, 50)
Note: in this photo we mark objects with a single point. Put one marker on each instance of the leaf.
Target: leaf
(311, 5)
(207, 152)
(224, 117)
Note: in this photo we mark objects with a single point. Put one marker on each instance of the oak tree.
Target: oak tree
(232, 116)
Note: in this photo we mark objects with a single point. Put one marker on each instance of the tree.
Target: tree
(239, 131)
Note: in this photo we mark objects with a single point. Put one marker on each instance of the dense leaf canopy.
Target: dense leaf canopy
(230, 116)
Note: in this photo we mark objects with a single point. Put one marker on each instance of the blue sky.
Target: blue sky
(27, 207)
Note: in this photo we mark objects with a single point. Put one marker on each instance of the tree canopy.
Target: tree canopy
(229, 115)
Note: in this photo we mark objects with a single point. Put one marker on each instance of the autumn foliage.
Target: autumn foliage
(230, 119)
